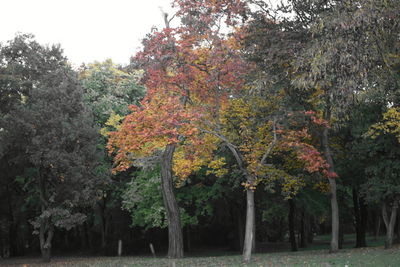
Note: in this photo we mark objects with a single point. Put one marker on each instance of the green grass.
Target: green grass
(316, 255)
(351, 257)
(322, 242)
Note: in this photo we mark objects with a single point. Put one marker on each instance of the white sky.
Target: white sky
(87, 30)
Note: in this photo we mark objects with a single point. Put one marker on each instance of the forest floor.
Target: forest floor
(316, 255)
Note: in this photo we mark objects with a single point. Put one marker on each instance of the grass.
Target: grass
(318, 256)
(323, 241)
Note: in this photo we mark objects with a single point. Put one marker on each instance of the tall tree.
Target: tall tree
(347, 53)
(383, 181)
(56, 132)
(108, 90)
(23, 63)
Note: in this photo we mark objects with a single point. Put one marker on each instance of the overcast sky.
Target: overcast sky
(87, 30)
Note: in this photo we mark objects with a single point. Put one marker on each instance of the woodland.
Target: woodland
(237, 124)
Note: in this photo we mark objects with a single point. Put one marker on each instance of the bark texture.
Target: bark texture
(46, 233)
(390, 222)
(291, 218)
(360, 214)
(303, 230)
(175, 237)
(334, 246)
(249, 228)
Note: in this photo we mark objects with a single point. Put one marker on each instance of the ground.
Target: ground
(316, 255)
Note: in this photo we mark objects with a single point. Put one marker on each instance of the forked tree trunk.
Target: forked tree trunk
(332, 182)
(390, 223)
(46, 233)
(249, 228)
(175, 237)
(291, 217)
(46, 228)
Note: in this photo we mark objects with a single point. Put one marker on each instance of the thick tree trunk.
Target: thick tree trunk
(360, 215)
(46, 233)
(390, 223)
(253, 246)
(101, 207)
(175, 237)
(249, 228)
(46, 229)
(332, 182)
(303, 230)
(291, 217)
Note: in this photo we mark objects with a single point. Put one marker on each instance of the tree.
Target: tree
(56, 130)
(347, 53)
(108, 90)
(23, 62)
(176, 64)
(382, 185)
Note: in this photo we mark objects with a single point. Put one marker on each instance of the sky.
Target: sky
(88, 30)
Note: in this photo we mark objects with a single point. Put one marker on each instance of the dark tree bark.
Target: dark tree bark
(390, 222)
(46, 233)
(397, 227)
(175, 237)
(310, 229)
(101, 209)
(46, 229)
(360, 214)
(291, 218)
(378, 226)
(334, 246)
(303, 230)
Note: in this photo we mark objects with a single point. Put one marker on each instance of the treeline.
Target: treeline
(244, 124)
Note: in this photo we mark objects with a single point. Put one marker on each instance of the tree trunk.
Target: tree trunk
(378, 227)
(360, 219)
(303, 231)
(253, 246)
(175, 238)
(390, 223)
(103, 221)
(249, 231)
(332, 182)
(46, 228)
(291, 217)
(46, 232)
(310, 233)
(364, 219)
